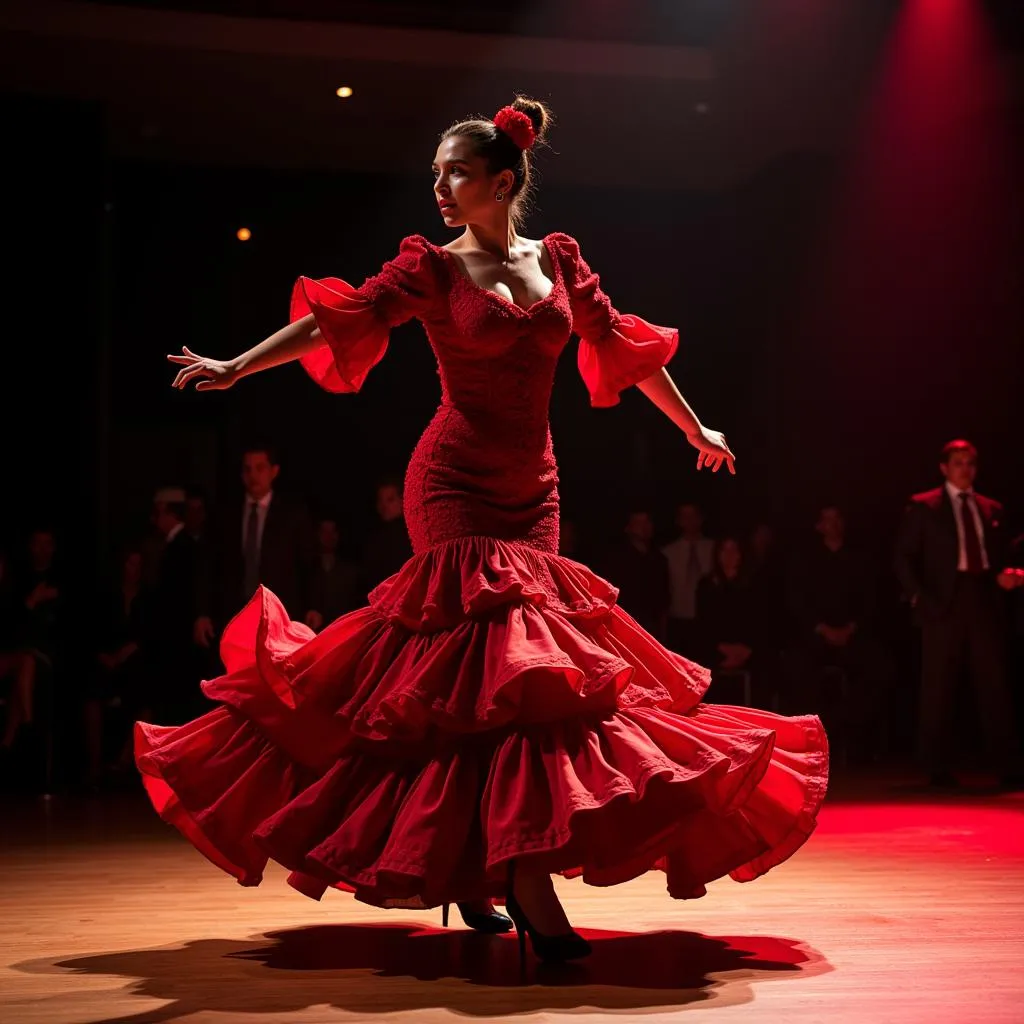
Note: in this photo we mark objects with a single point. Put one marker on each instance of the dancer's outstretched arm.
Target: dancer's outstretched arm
(283, 346)
(714, 452)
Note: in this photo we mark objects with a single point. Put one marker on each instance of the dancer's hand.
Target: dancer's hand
(212, 374)
(714, 452)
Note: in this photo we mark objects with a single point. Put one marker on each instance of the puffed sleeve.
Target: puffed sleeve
(616, 349)
(355, 322)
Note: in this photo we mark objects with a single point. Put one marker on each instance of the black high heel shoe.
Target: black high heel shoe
(490, 924)
(557, 948)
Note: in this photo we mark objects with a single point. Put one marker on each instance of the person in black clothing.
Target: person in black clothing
(952, 563)
(175, 659)
(42, 602)
(831, 599)
(641, 572)
(264, 539)
(121, 686)
(388, 547)
(17, 666)
(335, 581)
(727, 623)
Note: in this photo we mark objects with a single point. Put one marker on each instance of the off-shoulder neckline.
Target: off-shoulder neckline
(523, 310)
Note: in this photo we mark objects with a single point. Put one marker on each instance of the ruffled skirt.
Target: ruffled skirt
(490, 702)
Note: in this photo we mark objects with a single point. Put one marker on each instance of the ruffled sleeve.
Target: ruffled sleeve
(355, 322)
(616, 349)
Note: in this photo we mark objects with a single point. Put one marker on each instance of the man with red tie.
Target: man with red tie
(950, 559)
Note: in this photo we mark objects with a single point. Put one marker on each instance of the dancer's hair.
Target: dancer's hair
(502, 154)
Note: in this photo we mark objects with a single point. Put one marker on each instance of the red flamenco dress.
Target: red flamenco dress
(492, 701)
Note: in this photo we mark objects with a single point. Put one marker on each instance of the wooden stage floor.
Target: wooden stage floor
(904, 907)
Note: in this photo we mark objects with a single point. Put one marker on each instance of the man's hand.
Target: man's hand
(1011, 579)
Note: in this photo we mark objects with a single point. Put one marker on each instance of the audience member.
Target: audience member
(766, 571)
(266, 538)
(640, 571)
(727, 622)
(388, 547)
(690, 558)
(42, 601)
(121, 686)
(17, 669)
(832, 601)
(175, 659)
(195, 514)
(951, 560)
(335, 581)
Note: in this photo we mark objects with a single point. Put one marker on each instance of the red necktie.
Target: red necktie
(972, 542)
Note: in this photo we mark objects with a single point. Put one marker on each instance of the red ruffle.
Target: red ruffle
(491, 702)
(355, 337)
(626, 354)
(461, 579)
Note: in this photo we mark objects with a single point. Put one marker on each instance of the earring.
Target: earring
(499, 196)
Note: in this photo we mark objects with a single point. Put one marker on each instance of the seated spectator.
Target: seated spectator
(726, 614)
(334, 584)
(640, 571)
(120, 683)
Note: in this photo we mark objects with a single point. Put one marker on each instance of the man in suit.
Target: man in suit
(950, 560)
(172, 655)
(266, 539)
(690, 558)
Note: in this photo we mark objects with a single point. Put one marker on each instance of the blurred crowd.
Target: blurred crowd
(796, 630)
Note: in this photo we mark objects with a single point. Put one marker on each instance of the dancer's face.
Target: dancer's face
(463, 188)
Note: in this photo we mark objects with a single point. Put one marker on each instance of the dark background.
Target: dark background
(833, 384)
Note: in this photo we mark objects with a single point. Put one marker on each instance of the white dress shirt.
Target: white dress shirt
(954, 496)
(683, 579)
(263, 505)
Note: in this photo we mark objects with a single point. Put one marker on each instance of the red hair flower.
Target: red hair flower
(516, 125)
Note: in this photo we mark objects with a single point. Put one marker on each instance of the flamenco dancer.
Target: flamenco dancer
(491, 717)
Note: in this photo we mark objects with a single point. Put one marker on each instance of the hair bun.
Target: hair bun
(537, 112)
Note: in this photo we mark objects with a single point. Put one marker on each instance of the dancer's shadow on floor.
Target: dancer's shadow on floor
(378, 968)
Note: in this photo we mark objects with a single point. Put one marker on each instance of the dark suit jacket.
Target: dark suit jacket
(173, 604)
(285, 561)
(927, 548)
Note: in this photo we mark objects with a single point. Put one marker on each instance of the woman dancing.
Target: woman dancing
(491, 716)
